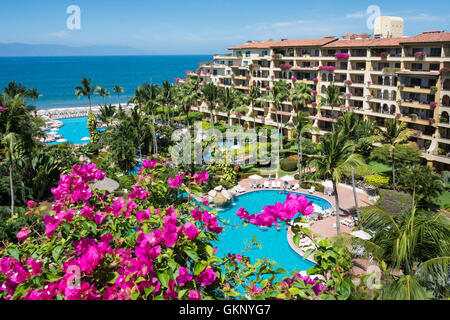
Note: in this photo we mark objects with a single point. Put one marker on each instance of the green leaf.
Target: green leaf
(56, 252)
(192, 254)
(281, 270)
(209, 250)
(14, 252)
(296, 239)
(294, 291)
(198, 268)
(163, 277)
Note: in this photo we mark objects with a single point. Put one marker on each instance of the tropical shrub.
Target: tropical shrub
(403, 155)
(377, 181)
(9, 227)
(288, 164)
(97, 246)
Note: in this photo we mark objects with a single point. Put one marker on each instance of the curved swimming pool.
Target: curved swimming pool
(274, 245)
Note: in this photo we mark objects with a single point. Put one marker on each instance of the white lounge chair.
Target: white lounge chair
(266, 184)
(274, 184)
(312, 189)
(295, 187)
(278, 184)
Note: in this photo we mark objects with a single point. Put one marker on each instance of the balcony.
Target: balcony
(415, 89)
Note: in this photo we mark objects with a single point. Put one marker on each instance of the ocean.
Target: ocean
(56, 77)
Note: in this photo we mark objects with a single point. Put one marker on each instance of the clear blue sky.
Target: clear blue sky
(204, 27)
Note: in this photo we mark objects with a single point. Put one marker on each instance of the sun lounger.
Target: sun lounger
(279, 184)
(312, 189)
(295, 187)
(266, 184)
(274, 185)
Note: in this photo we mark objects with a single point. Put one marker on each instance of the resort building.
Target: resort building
(379, 77)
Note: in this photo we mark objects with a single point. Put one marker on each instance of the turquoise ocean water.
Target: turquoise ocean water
(56, 77)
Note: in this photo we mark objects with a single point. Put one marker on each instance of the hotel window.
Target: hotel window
(264, 53)
(416, 66)
(247, 53)
(245, 63)
(435, 52)
(434, 66)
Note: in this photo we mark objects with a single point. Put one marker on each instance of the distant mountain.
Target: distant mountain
(39, 50)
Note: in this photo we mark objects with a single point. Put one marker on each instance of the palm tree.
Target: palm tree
(10, 142)
(102, 92)
(167, 97)
(229, 101)
(415, 242)
(396, 133)
(301, 126)
(279, 94)
(118, 90)
(13, 89)
(85, 90)
(210, 93)
(336, 157)
(333, 98)
(301, 95)
(188, 96)
(253, 99)
(33, 94)
(107, 113)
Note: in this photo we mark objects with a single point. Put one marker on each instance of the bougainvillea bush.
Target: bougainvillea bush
(97, 246)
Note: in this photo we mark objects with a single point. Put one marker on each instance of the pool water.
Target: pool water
(274, 245)
(73, 130)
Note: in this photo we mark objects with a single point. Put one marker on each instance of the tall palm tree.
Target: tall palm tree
(102, 92)
(301, 95)
(336, 157)
(210, 93)
(416, 242)
(107, 113)
(33, 94)
(85, 90)
(301, 126)
(118, 90)
(253, 99)
(229, 101)
(10, 142)
(396, 133)
(333, 98)
(188, 96)
(279, 94)
(13, 89)
(167, 98)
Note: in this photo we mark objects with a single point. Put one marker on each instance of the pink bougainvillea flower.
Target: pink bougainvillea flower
(171, 292)
(205, 201)
(199, 178)
(183, 276)
(150, 163)
(36, 266)
(23, 234)
(206, 277)
(170, 235)
(90, 259)
(176, 182)
(195, 295)
(143, 215)
(31, 204)
(50, 225)
(242, 214)
(190, 231)
(196, 214)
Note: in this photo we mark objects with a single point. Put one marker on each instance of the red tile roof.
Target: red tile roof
(429, 37)
(356, 43)
(286, 43)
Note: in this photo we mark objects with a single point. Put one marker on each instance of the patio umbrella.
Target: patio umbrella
(255, 177)
(361, 234)
(287, 178)
(106, 184)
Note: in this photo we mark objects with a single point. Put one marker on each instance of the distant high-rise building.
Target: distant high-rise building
(388, 27)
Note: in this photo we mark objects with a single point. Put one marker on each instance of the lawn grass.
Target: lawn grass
(380, 167)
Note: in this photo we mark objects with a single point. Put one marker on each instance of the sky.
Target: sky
(204, 27)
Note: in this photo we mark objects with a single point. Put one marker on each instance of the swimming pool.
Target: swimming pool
(73, 130)
(274, 245)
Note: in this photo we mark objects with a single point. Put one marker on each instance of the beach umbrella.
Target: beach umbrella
(361, 234)
(105, 184)
(287, 178)
(255, 177)
(85, 139)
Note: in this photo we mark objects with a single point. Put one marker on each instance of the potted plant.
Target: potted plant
(444, 71)
(433, 89)
(433, 105)
(420, 55)
(384, 55)
(348, 82)
(342, 56)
